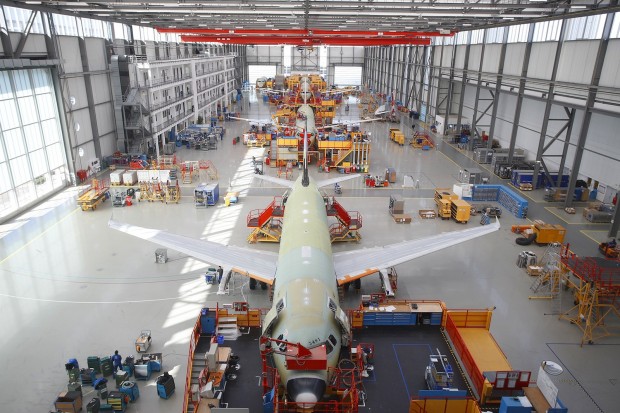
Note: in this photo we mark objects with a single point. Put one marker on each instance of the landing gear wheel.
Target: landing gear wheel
(357, 283)
(253, 284)
(263, 286)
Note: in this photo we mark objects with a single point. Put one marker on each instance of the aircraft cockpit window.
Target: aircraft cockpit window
(333, 340)
(332, 305)
(328, 347)
(281, 346)
(280, 305)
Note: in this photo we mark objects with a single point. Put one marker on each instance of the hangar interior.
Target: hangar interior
(85, 83)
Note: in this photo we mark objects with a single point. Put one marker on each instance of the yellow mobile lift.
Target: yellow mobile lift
(443, 199)
(397, 136)
(94, 195)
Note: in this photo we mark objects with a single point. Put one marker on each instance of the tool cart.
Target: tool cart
(143, 342)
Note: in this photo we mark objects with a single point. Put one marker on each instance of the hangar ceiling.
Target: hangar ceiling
(363, 22)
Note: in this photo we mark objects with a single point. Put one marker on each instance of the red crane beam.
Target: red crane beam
(301, 32)
(307, 40)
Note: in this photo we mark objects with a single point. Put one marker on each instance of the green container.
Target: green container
(94, 362)
(74, 375)
(106, 366)
(121, 376)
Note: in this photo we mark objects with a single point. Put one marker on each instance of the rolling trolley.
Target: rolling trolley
(143, 342)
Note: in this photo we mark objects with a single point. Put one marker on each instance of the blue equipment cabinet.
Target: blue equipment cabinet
(165, 385)
(142, 370)
(131, 389)
(206, 194)
(207, 321)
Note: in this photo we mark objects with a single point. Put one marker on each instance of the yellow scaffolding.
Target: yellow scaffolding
(596, 287)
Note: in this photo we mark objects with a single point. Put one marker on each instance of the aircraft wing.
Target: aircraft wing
(260, 265)
(351, 265)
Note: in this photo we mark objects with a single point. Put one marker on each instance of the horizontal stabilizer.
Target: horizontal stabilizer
(273, 179)
(333, 181)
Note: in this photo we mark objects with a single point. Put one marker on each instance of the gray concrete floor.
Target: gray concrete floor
(71, 288)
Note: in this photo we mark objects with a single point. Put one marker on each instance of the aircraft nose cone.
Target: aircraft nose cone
(306, 391)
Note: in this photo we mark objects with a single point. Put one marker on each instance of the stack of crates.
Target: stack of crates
(130, 388)
(505, 196)
(73, 372)
(94, 362)
(513, 202)
(443, 199)
(74, 386)
(165, 385)
(128, 365)
(106, 366)
(484, 193)
(101, 385)
(87, 376)
(118, 401)
(460, 210)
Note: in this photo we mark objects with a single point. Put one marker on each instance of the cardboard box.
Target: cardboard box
(402, 218)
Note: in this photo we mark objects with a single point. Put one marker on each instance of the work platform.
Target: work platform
(400, 359)
(596, 290)
(267, 223)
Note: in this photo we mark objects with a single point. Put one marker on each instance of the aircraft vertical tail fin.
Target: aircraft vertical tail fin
(305, 181)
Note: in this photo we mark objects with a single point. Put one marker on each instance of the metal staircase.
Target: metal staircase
(547, 284)
(199, 363)
(267, 223)
(228, 328)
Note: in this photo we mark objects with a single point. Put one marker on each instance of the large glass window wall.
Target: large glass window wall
(32, 159)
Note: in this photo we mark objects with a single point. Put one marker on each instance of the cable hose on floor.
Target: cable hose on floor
(526, 241)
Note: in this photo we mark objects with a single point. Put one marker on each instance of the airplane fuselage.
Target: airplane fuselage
(306, 286)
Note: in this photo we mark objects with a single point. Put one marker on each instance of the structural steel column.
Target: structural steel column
(451, 82)
(89, 98)
(459, 116)
(522, 81)
(498, 87)
(549, 104)
(408, 87)
(474, 121)
(587, 116)
(430, 67)
(439, 77)
(421, 71)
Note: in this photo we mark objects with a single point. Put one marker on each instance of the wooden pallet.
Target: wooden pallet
(427, 213)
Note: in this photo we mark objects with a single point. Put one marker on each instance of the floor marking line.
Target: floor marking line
(152, 300)
(573, 376)
(583, 231)
(401, 368)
